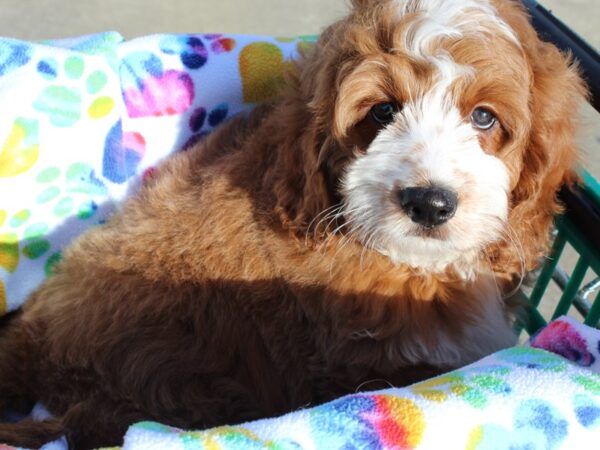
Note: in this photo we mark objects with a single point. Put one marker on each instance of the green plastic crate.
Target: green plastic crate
(580, 225)
(570, 229)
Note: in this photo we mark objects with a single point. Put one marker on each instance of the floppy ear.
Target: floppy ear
(297, 178)
(299, 181)
(302, 175)
(309, 170)
(549, 157)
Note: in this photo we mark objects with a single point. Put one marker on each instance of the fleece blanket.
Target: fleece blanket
(81, 120)
(543, 396)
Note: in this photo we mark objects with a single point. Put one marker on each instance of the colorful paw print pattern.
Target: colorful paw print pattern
(200, 118)
(563, 338)
(48, 163)
(108, 111)
(369, 421)
(475, 387)
(13, 55)
(587, 411)
(150, 90)
(217, 439)
(123, 152)
(21, 149)
(537, 424)
(62, 101)
(71, 195)
(262, 67)
(499, 403)
(356, 422)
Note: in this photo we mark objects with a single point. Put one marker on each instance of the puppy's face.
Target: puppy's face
(436, 107)
(433, 116)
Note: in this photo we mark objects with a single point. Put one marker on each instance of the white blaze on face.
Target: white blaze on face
(437, 19)
(429, 143)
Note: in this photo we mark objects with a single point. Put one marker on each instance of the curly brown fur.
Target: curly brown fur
(218, 295)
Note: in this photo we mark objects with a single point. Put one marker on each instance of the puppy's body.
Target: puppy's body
(223, 292)
(193, 305)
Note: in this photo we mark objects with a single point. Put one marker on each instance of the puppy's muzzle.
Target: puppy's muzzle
(428, 206)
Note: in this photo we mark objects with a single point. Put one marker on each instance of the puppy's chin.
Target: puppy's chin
(454, 245)
(428, 254)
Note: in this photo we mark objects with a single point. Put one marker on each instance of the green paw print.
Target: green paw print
(533, 358)
(591, 382)
(69, 195)
(472, 388)
(31, 246)
(63, 102)
(78, 180)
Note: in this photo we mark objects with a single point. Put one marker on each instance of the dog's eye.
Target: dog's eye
(483, 118)
(383, 113)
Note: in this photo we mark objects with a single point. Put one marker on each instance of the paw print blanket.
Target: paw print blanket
(544, 396)
(520, 398)
(82, 120)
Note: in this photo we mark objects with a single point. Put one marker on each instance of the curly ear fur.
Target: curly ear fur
(549, 155)
(309, 165)
(302, 175)
(299, 183)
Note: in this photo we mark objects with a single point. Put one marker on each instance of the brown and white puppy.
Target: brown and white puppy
(364, 226)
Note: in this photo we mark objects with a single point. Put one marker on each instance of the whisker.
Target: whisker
(326, 212)
(366, 246)
(373, 381)
(514, 240)
(343, 242)
(489, 263)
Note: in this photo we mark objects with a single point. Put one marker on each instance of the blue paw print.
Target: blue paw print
(536, 425)
(199, 118)
(191, 50)
(13, 55)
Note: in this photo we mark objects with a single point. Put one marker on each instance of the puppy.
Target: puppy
(367, 225)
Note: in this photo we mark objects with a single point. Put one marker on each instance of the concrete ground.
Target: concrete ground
(42, 19)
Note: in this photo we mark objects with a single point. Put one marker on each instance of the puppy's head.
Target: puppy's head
(444, 130)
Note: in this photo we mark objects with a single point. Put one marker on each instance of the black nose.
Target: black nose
(428, 206)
